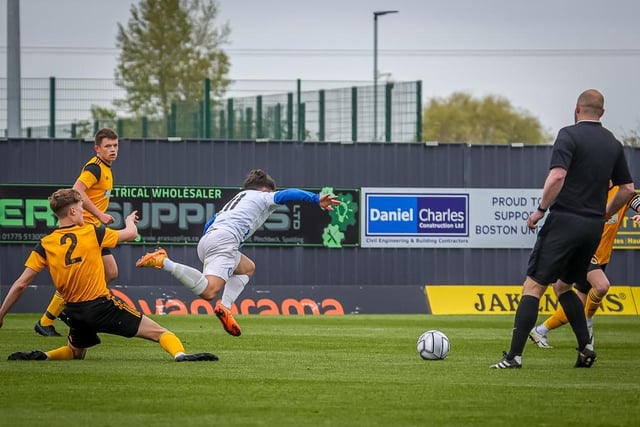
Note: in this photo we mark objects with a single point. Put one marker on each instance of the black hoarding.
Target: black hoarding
(176, 215)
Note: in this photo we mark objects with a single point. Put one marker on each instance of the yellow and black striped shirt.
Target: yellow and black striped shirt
(97, 176)
(611, 227)
(73, 255)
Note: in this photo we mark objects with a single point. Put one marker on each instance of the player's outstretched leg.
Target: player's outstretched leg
(28, 355)
(46, 331)
(153, 259)
(197, 357)
(226, 318)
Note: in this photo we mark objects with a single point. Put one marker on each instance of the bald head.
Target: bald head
(590, 105)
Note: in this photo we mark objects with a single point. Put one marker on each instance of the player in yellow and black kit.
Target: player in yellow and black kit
(95, 184)
(592, 290)
(72, 252)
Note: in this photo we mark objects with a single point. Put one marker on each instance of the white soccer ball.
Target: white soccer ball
(433, 345)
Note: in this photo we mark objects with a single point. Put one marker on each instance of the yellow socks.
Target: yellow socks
(557, 319)
(62, 353)
(54, 309)
(171, 343)
(592, 304)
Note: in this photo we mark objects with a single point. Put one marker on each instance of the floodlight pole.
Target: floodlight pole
(375, 68)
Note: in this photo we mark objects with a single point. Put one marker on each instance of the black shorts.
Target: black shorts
(584, 286)
(107, 314)
(564, 247)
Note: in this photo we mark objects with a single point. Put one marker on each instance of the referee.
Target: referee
(585, 157)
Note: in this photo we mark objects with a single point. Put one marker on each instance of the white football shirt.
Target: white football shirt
(245, 213)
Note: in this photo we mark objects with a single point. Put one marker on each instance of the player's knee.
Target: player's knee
(601, 289)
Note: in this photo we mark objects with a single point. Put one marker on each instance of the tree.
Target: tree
(631, 138)
(490, 120)
(167, 51)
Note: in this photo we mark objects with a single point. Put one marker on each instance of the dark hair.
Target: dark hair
(257, 178)
(60, 201)
(105, 133)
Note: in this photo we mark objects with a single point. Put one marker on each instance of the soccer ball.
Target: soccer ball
(433, 345)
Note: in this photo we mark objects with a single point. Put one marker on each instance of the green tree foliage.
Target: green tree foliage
(490, 120)
(167, 50)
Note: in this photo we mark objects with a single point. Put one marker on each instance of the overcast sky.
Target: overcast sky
(539, 55)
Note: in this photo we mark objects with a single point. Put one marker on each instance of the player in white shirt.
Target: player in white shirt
(224, 266)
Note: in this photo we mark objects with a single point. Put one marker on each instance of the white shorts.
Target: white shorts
(219, 252)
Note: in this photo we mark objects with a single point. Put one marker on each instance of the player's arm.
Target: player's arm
(552, 186)
(326, 201)
(130, 231)
(16, 291)
(622, 197)
(634, 203)
(89, 206)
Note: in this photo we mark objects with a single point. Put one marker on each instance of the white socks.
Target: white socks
(233, 288)
(541, 329)
(195, 281)
(191, 278)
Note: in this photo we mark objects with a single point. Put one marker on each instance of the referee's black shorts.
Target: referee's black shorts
(564, 247)
(106, 314)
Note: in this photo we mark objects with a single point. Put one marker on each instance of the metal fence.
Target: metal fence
(270, 109)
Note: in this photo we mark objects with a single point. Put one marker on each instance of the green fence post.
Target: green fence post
(213, 120)
(96, 126)
(29, 132)
(73, 130)
(145, 127)
(302, 117)
(321, 116)
(240, 131)
(207, 108)
(298, 108)
(223, 130)
(120, 127)
(230, 119)
(419, 111)
(277, 120)
(200, 120)
(171, 120)
(387, 112)
(52, 107)
(248, 123)
(289, 116)
(354, 114)
(259, 131)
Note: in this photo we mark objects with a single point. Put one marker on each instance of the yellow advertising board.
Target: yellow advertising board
(487, 299)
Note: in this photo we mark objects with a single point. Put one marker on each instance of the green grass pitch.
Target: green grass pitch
(354, 370)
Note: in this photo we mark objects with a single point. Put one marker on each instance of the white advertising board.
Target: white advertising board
(448, 217)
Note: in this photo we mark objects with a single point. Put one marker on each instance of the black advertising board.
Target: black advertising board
(176, 215)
